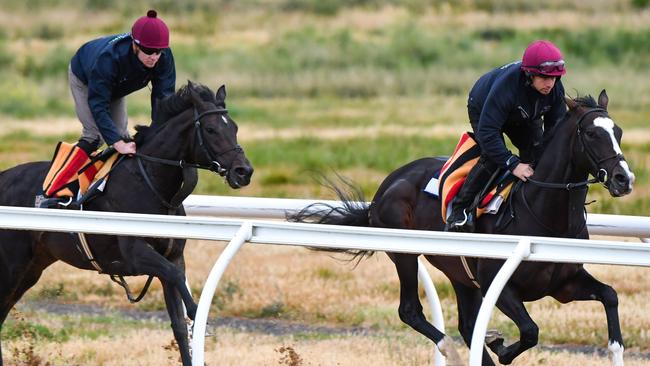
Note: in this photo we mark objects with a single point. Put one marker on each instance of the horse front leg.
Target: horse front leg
(174, 305)
(142, 259)
(583, 286)
(513, 308)
(410, 307)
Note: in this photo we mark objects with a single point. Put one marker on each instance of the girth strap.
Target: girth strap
(468, 271)
(85, 248)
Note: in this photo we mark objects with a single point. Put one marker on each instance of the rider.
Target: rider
(522, 100)
(101, 73)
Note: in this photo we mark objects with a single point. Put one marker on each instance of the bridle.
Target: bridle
(190, 177)
(213, 157)
(601, 175)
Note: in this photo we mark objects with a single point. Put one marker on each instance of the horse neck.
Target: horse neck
(556, 165)
(173, 140)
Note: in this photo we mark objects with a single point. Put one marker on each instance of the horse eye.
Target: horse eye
(210, 130)
(590, 133)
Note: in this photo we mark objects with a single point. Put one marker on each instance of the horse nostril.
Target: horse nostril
(621, 178)
(243, 171)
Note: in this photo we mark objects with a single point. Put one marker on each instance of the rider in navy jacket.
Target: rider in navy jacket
(523, 100)
(111, 70)
(503, 101)
(101, 74)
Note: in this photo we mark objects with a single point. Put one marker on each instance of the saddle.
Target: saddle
(447, 182)
(88, 181)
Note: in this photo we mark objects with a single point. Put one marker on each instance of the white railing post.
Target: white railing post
(434, 305)
(522, 250)
(200, 321)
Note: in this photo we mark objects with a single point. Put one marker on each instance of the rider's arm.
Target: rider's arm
(495, 112)
(100, 85)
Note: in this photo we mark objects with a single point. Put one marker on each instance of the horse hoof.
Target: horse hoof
(494, 340)
(448, 349)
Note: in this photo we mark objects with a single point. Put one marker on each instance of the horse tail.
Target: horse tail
(352, 210)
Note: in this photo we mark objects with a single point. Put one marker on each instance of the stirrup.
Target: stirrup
(55, 202)
(466, 225)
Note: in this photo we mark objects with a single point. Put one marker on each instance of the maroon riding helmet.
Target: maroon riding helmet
(543, 58)
(150, 31)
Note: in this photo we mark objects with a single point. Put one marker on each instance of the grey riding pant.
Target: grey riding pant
(90, 131)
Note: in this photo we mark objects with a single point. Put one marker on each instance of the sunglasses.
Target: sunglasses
(149, 51)
(551, 67)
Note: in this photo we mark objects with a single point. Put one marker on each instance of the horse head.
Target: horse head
(597, 148)
(211, 134)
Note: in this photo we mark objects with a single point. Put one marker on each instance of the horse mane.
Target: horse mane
(172, 105)
(586, 101)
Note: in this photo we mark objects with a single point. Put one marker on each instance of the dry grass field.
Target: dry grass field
(295, 286)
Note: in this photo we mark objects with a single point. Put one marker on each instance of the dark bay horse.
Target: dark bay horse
(586, 143)
(192, 126)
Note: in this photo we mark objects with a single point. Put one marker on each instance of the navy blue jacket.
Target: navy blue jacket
(111, 70)
(504, 101)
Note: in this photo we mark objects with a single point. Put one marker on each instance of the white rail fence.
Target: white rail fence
(278, 208)
(275, 208)
(239, 231)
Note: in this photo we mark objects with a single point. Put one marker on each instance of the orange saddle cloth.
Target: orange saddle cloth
(453, 175)
(93, 169)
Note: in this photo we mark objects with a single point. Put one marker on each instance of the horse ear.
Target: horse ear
(196, 98)
(603, 99)
(570, 103)
(221, 93)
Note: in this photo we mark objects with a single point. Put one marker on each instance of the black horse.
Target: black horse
(192, 129)
(586, 142)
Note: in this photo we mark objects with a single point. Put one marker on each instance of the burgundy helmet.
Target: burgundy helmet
(150, 31)
(543, 58)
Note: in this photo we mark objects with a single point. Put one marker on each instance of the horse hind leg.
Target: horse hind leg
(584, 286)
(410, 307)
(13, 287)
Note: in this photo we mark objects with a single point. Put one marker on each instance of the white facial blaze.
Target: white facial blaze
(607, 124)
(225, 120)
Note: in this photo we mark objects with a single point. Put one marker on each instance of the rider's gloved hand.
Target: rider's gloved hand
(124, 147)
(523, 171)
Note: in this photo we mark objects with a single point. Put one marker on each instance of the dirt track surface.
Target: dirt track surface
(273, 327)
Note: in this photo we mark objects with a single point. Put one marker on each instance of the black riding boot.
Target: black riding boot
(460, 219)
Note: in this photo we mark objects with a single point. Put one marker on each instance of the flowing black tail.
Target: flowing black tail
(351, 211)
